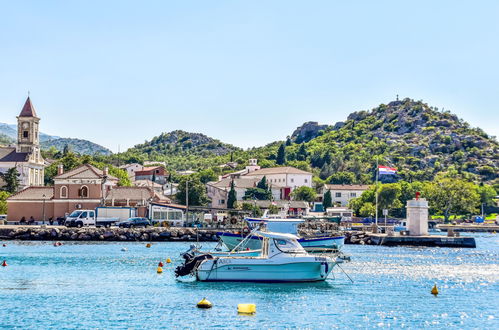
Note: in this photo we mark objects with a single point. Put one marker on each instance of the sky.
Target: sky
(245, 72)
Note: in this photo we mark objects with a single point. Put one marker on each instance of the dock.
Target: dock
(469, 228)
(426, 240)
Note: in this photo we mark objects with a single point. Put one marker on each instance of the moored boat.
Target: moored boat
(282, 259)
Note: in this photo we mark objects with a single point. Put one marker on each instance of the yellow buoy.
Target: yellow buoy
(159, 270)
(148, 245)
(204, 304)
(434, 291)
(168, 260)
(246, 308)
(494, 232)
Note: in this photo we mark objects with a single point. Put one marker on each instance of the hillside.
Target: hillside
(8, 135)
(83, 147)
(181, 150)
(418, 139)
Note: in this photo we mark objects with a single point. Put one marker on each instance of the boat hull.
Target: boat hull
(243, 271)
(309, 244)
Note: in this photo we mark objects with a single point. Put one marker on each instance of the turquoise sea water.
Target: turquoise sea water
(96, 285)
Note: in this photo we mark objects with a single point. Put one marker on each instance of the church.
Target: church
(25, 155)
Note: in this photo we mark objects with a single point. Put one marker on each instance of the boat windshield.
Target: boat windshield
(288, 246)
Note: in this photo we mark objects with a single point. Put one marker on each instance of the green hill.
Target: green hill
(418, 139)
(83, 147)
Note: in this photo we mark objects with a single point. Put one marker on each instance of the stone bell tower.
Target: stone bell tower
(27, 130)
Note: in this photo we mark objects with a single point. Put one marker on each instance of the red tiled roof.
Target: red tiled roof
(28, 109)
(34, 193)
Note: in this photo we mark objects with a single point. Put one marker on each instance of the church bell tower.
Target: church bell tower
(27, 130)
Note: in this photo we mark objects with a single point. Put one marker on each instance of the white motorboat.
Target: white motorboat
(282, 259)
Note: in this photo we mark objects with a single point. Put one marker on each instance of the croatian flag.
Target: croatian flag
(386, 170)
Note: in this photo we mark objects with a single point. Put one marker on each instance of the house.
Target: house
(156, 187)
(218, 191)
(286, 178)
(25, 156)
(83, 187)
(341, 194)
(155, 173)
(131, 169)
(251, 167)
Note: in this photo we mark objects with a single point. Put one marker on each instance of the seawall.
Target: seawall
(59, 233)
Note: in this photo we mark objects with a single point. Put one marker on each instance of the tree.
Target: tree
(197, 190)
(367, 210)
(302, 153)
(11, 179)
(257, 193)
(487, 194)
(342, 178)
(207, 175)
(232, 198)
(66, 150)
(328, 200)
(262, 184)
(304, 193)
(281, 155)
(452, 196)
(3, 201)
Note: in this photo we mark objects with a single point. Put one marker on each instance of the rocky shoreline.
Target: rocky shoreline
(153, 234)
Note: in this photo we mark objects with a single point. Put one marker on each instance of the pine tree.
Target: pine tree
(263, 184)
(302, 153)
(281, 155)
(11, 179)
(288, 141)
(232, 198)
(328, 200)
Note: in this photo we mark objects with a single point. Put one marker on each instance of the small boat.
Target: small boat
(281, 225)
(282, 259)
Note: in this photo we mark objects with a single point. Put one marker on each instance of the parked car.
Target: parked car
(134, 222)
(84, 218)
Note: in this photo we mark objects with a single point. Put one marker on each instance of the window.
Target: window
(306, 180)
(25, 134)
(83, 215)
(292, 180)
(91, 214)
(222, 201)
(64, 192)
(353, 194)
(84, 192)
(338, 194)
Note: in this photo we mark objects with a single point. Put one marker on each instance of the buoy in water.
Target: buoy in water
(4, 263)
(159, 270)
(434, 291)
(160, 264)
(168, 260)
(246, 308)
(148, 245)
(4, 245)
(204, 304)
(124, 249)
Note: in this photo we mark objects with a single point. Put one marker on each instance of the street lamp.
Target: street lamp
(43, 208)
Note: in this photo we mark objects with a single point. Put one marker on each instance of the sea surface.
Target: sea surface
(97, 285)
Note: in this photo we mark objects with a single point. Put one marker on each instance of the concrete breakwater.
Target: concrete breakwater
(156, 234)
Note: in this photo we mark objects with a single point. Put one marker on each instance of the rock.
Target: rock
(307, 131)
(55, 232)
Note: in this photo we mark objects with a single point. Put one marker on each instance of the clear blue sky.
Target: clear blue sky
(245, 72)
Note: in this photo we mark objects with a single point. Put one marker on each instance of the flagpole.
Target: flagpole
(376, 191)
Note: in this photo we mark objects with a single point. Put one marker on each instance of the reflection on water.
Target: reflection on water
(96, 285)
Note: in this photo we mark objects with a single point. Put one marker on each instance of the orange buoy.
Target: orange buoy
(160, 264)
(168, 260)
(4, 263)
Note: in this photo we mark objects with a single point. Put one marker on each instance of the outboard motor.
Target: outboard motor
(190, 263)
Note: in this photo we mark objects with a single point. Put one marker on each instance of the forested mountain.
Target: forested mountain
(181, 150)
(418, 139)
(8, 135)
(83, 147)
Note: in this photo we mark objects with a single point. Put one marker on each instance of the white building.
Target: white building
(286, 178)
(341, 194)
